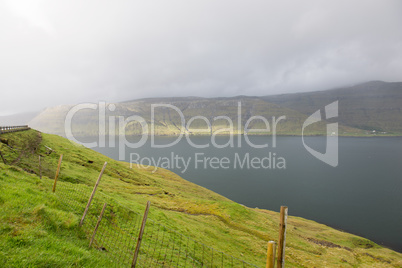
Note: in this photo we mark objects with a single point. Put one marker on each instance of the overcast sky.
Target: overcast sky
(66, 52)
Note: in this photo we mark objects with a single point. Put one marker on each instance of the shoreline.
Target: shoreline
(263, 135)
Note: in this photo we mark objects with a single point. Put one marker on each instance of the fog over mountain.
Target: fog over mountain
(67, 52)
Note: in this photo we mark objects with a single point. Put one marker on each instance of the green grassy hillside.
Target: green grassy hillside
(37, 230)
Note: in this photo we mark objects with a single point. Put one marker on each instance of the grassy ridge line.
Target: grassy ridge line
(187, 208)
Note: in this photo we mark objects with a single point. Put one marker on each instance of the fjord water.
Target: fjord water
(362, 195)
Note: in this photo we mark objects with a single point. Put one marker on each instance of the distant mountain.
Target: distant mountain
(17, 119)
(369, 108)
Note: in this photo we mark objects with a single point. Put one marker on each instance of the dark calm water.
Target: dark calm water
(362, 195)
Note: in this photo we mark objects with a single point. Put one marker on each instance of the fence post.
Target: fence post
(137, 248)
(57, 173)
(280, 262)
(92, 195)
(97, 224)
(40, 169)
(2, 157)
(271, 255)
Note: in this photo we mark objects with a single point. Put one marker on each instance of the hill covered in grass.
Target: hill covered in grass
(37, 230)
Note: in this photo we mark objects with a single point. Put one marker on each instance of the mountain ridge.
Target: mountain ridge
(371, 108)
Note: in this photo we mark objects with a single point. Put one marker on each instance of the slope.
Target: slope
(180, 205)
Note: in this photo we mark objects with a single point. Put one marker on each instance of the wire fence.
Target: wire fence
(163, 247)
(117, 234)
(118, 230)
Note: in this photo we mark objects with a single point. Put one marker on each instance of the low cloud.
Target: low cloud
(58, 52)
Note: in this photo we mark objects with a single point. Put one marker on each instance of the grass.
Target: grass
(34, 230)
(38, 230)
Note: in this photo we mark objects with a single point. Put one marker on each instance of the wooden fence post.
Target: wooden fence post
(97, 224)
(40, 169)
(92, 195)
(280, 261)
(57, 173)
(137, 248)
(271, 255)
(2, 157)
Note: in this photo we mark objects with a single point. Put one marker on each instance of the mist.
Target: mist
(69, 52)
